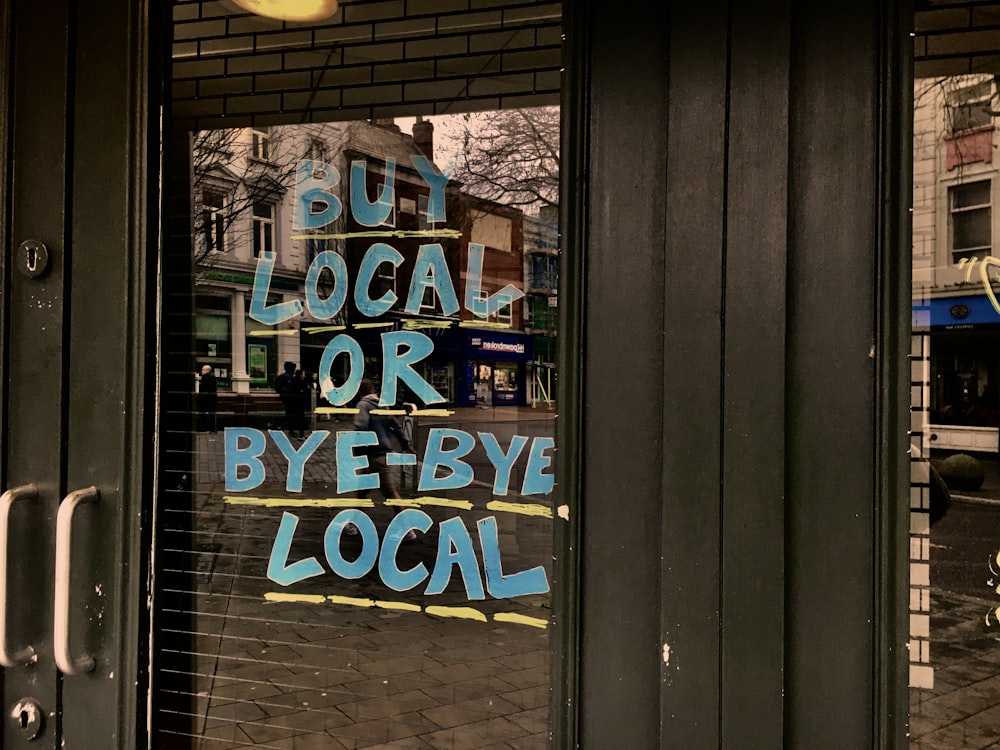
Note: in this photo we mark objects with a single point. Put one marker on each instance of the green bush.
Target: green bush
(962, 472)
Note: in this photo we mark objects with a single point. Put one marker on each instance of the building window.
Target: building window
(971, 230)
(505, 315)
(428, 301)
(423, 215)
(263, 228)
(386, 279)
(213, 220)
(260, 144)
(313, 248)
(970, 108)
(317, 150)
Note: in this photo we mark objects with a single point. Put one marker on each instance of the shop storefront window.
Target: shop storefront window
(362, 554)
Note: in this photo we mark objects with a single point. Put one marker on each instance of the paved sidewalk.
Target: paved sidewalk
(963, 709)
(332, 662)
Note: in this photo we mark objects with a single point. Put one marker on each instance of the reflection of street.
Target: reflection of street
(340, 663)
(963, 709)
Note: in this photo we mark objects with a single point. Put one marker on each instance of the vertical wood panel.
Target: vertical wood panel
(832, 284)
(110, 377)
(34, 363)
(754, 390)
(691, 379)
(623, 363)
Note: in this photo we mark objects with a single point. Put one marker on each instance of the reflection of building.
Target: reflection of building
(956, 315)
(422, 268)
(541, 257)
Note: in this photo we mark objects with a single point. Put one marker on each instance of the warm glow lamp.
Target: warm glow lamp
(291, 10)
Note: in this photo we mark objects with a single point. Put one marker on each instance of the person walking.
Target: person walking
(290, 388)
(207, 400)
(386, 429)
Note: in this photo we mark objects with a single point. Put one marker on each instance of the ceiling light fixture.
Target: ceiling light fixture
(291, 10)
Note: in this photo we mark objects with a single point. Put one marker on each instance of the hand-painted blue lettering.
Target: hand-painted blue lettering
(388, 567)
(297, 458)
(455, 548)
(325, 308)
(477, 301)
(341, 344)
(500, 586)
(377, 254)
(535, 482)
(349, 465)
(278, 569)
(431, 271)
(502, 462)
(400, 351)
(460, 474)
(437, 181)
(247, 454)
(315, 206)
(259, 309)
(366, 213)
(363, 563)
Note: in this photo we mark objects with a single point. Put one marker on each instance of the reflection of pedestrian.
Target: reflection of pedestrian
(289, 386)
(386, 430)
(207, 400)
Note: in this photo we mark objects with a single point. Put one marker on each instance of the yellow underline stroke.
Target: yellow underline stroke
(350, 600)
(282, 332)
(323, 329)
(399, 233)
(295, 502)
(513, 617)
(482, 324)
(469, 613)
(335, 410)
(273, 596)
(403, 412)
(373, 325)
(442, 502)
(411, 323)
(431, 413)
(527, 509)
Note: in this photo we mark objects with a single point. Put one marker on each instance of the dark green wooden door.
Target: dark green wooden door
(74, 370)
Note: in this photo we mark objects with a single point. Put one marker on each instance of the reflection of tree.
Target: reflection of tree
(235, 170)
(510, 156)
(965, 102)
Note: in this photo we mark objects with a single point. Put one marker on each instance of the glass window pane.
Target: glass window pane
(361, 553)
(954, 573)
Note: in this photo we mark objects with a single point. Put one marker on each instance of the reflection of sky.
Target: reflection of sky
(447, 129)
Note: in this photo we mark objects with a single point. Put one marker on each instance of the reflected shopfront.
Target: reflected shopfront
(955, 381)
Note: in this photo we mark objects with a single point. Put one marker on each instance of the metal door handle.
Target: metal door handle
(27, 654)
(64, 537)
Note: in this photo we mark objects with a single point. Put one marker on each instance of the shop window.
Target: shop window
(213, 220)
(263, 228)
(971, 228)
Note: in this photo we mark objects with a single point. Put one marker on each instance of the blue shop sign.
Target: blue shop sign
(956, 312)
(498, 345)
